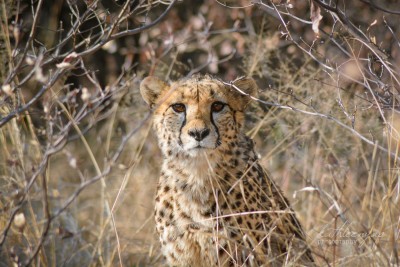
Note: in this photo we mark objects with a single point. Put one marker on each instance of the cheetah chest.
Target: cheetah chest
(184, 222)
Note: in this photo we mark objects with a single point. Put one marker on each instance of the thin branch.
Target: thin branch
(28, 43)
(58, 145)
(128, 32)
(34, 99)
(372, 3)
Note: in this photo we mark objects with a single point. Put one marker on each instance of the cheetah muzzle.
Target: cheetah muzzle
(215, 205)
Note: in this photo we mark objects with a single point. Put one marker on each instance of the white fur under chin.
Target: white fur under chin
(200, 166)
(198, 153)
(200, 161)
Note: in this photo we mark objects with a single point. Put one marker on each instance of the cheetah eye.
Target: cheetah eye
(178, 107)
(217, 106)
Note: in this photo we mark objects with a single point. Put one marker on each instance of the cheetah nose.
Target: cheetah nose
(199, 135)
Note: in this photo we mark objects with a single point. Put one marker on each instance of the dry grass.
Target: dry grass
(345, 191)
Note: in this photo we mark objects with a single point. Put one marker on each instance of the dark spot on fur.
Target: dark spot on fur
(172, 256)
(207, 213)
(238, 195)
(250, 187)
(213, 207)
(194, 226)
(171, 166)
(185, 215)
(167, 204)
(228, 152)
(184, 186)
(264, 198)
(161, 213)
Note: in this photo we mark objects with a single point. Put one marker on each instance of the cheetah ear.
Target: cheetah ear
(243, 89)
(151, 88)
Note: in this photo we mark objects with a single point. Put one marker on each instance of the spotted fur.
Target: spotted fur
(215, 205)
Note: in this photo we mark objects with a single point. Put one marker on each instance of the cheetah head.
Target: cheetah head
(197, 115)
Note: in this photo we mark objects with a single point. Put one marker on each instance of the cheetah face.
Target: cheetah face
(197, 115)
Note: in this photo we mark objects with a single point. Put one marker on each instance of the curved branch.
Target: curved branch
(372, 3)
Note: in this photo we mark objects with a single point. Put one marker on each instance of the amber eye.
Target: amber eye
(217, 106)
(179, 107)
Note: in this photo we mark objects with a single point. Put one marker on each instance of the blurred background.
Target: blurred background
(79, 161)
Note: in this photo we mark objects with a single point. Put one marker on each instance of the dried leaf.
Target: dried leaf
(20, 221)
(70, 57)
(373, 39)
(316, 17)
(66, 63)
(63, 65)
(39, 74)
(6, 88)
(85, 95)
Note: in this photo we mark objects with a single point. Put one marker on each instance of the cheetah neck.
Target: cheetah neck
(195, 174)
(198, 176)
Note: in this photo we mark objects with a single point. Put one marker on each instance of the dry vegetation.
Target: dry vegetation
(79, 162)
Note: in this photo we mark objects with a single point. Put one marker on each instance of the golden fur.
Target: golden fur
(215, 205)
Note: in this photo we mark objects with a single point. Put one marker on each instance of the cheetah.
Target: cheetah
(215, 204)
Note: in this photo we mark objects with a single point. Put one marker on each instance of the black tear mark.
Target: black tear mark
(218, 142)
(180, 130)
